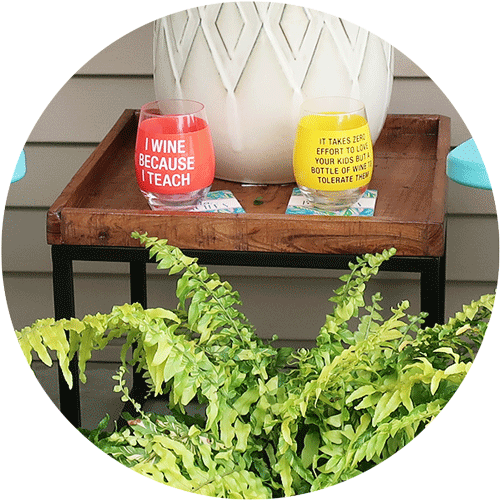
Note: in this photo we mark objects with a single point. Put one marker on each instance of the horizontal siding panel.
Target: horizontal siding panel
(467, 200)
(472, 248)
(86, 108)
(423, 96)
(130, 55)
(24, 246)
(96, 395)
(49, 169)
(405, 67)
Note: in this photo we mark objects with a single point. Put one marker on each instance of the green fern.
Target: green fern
(276, 422)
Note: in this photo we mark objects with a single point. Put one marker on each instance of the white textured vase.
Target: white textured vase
(253, 63)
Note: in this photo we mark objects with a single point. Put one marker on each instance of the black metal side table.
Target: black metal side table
(93, 218)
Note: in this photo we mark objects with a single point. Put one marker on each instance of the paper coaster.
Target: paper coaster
(220, 201)
(365, 207)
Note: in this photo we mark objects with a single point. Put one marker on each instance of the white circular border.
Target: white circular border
(456, 457)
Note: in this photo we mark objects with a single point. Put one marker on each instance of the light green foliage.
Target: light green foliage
(277, 422)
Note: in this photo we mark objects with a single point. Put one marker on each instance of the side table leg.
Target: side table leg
(138, 283)
(432, 290)
(64, 307)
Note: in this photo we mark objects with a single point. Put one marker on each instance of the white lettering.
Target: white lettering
(167, 146)
(171, 180)
(166, 162)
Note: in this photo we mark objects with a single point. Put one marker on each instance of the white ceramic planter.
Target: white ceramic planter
(252, 64)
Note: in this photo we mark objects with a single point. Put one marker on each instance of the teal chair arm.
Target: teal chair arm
(20, 170)
(465, 166)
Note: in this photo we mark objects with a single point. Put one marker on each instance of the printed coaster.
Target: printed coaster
(365, 207)
(220, 201)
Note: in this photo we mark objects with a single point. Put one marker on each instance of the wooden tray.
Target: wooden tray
(102, 203)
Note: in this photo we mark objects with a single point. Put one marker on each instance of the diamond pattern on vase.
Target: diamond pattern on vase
(293, 33)
(229, 24)
(351, 42)
(351, 31)
(294, 21)
(179, 25)
(230, 46)
(179, 32)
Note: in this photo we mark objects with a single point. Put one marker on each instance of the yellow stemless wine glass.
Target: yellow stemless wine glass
(333, 153)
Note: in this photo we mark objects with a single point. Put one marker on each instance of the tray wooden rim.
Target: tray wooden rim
(66, 222)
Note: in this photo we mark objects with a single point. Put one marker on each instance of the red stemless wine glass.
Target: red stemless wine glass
(174, 154)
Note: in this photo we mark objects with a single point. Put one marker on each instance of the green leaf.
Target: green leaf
(435, 381)
(163, 313)
(386, 405)
(360, 392)
(311, 447)
(243, 403)
(334, 420)
(242, 431)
